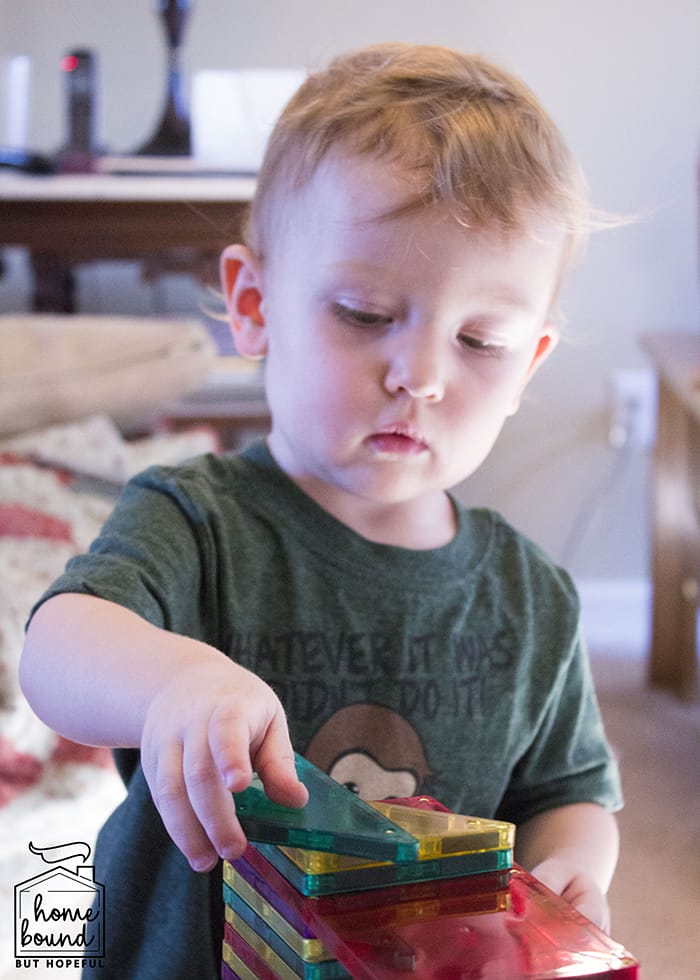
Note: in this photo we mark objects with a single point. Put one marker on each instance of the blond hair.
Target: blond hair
(472, 136)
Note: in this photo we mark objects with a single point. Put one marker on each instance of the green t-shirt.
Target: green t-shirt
(458, 671)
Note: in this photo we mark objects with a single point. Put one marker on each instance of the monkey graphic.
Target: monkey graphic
(373, 751)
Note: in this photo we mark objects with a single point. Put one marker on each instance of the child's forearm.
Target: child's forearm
(583, 836)
(100, 674)
(90, 668)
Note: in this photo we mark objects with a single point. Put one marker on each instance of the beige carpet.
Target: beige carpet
(655, 896)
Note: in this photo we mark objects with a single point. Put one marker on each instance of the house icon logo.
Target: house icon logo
(60, 914)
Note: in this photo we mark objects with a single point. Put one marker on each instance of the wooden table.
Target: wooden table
(163, 221)
(673, 659)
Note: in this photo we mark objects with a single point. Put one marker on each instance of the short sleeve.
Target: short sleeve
(568, 759)
(148, 557)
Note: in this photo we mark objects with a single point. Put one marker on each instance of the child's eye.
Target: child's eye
(480, 345)
(361, 318)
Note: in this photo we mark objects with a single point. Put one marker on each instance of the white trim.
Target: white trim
(616, 615)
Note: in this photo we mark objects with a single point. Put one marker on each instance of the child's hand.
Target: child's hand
(578, 889)
(204, 731)
(572, 849)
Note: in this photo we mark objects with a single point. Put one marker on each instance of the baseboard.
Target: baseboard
(616, 615)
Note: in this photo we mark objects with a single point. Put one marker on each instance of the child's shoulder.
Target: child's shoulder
(209, 472)
(516, 558)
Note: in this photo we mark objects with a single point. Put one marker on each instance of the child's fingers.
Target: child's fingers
(164, 775)
(274, 763)
(232, 748)
(229, 743)
(595, 908)
(579, 890)
(211, 802)
(589, 900)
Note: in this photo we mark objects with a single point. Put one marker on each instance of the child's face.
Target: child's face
(395, 348)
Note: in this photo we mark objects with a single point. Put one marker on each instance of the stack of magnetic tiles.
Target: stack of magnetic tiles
(344, 888)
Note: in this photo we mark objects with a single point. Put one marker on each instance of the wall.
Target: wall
(622, 79)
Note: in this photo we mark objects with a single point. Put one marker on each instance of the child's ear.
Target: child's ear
(241, 280)
(548, 340)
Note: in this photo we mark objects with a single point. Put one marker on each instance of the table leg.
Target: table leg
(675, 551)
(54, 284)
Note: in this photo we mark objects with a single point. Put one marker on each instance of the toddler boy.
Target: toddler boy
(414, 215)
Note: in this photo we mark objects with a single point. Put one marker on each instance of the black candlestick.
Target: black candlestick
(172, 136)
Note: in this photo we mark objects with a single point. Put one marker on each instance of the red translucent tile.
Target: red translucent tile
(536, 936)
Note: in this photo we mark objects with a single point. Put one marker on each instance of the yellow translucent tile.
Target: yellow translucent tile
(439, 835)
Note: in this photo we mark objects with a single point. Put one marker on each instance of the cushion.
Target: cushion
(61, 367)
(57, 487)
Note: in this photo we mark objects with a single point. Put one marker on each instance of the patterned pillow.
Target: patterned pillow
(46, 516)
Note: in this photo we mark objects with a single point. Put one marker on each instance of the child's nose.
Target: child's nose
(416, 367)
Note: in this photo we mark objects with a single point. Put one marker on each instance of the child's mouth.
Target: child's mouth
(397, 442)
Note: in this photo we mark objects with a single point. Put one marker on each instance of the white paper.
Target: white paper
(15, 87)
(233, 112)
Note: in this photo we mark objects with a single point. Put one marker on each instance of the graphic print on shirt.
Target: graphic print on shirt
(426, 692)
(372, 750)
(427, 677)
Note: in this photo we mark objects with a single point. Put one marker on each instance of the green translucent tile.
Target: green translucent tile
(334, 820)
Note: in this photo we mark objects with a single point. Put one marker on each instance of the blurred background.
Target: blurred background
(621, 79)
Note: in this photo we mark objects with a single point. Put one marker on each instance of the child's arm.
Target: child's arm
(573, 849)
(98, 673)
